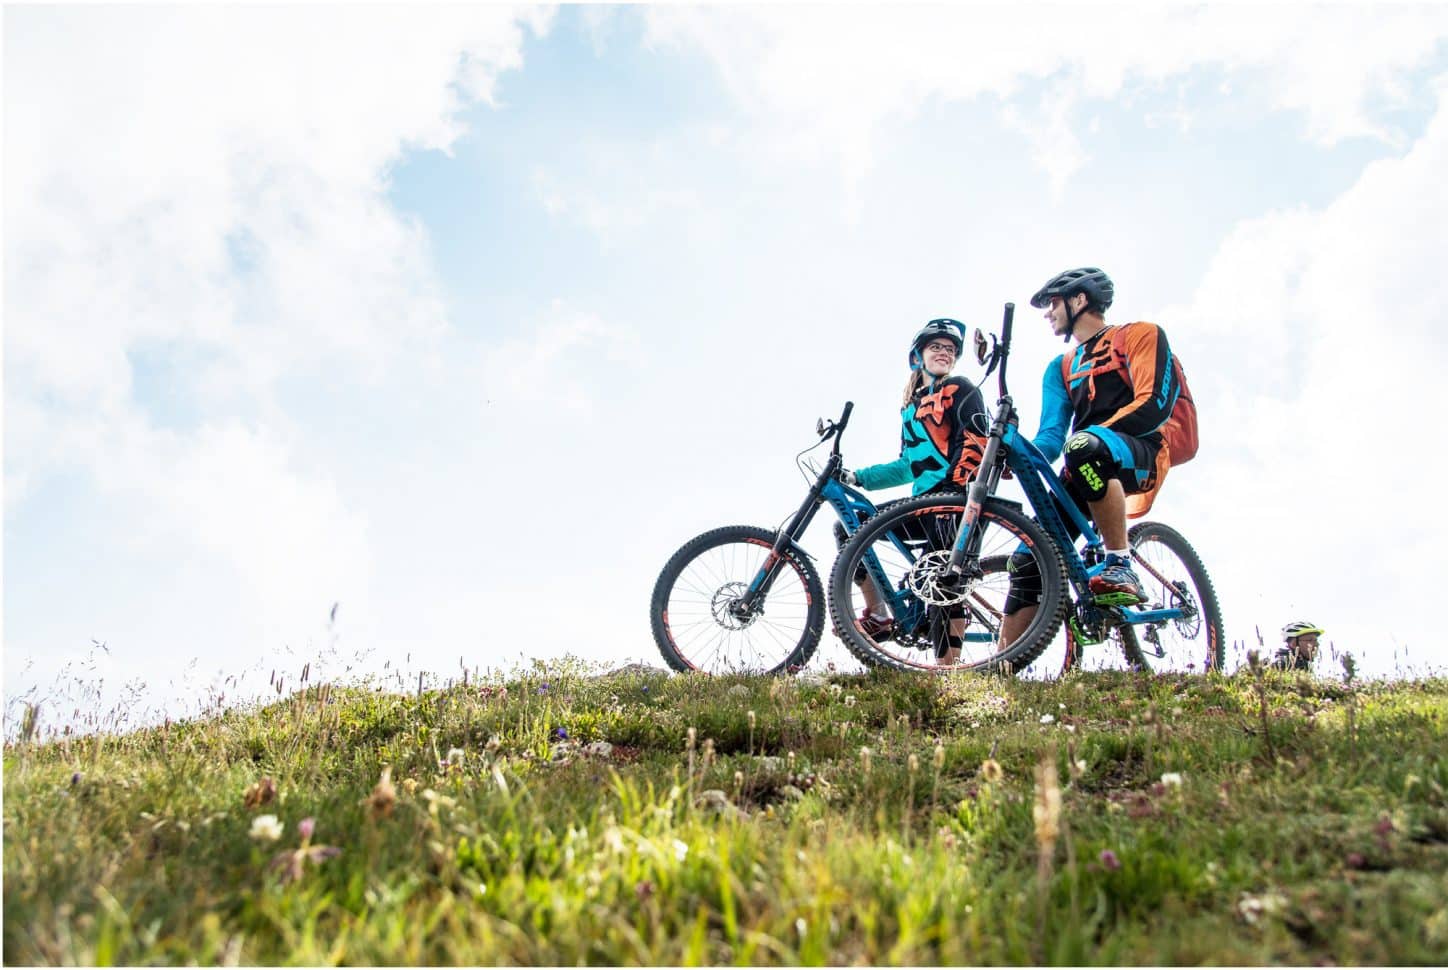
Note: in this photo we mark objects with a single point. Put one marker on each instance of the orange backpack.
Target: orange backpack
(1179, 433)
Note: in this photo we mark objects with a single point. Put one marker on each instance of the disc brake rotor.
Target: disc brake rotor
(723, 603)
(925, 580)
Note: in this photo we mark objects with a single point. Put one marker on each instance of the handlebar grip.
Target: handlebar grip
(1006, 325)
(845, 415)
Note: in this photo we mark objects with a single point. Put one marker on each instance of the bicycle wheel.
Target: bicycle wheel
(695, 626)
(911, 544)
(1174, 578)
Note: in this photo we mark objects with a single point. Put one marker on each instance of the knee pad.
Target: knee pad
(1089, 466)
(1025, 576)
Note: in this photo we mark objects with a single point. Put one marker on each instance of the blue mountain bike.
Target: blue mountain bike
(747, 599)
(945, 597)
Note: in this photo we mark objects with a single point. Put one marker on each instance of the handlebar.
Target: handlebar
(1005, 348)
(839, 428)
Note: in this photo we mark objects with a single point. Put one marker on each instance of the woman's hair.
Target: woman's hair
(918, 377)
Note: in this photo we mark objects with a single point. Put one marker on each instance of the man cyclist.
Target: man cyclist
(1114, 391)
(1300, 639)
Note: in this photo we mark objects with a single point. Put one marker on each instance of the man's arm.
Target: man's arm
(1055, 412)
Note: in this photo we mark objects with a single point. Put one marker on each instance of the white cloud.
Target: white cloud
(567, 361)
(823, 81)
(1316, 346)
(207, 185)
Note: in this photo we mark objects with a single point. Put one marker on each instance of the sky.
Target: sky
(415, 339)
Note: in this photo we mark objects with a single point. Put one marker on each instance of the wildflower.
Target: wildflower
(543, 687)
(939, 756)
(1047, 809)
(913, 764)
(1109, 860)
(681, 849)
(455, 757)
(990, 771)
(384, 796)
(1252, 908)
(1172, 779)
(75, 779)
(836, 689)
(410, 785)
(849, 700)
(643, 890)
(262, 792)
(1048, 719)
(436, 801)
(266, 828)
(291, 863)
(865, 759)
(561, 733)
(751, 720)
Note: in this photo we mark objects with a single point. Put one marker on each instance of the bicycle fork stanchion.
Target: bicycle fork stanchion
(987, 476)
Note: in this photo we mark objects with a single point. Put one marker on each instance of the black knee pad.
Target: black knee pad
(1025, 576)
(1089, 466)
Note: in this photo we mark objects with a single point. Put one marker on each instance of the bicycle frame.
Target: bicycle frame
(851, 507)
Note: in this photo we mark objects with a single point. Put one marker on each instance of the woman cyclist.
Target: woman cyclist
(942, 439)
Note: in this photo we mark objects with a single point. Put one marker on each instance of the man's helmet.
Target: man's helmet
(1089, 280)
(1299, 628)
(946, 329)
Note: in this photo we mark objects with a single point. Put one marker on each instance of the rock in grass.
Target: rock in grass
(715, 801)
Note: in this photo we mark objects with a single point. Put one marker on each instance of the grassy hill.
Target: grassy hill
(566, 817)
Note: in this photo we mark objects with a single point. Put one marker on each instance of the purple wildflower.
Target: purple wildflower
(1109, 860)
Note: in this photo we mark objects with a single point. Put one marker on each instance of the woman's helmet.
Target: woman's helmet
(952, 330)
(1089, 280)
(1299, 628)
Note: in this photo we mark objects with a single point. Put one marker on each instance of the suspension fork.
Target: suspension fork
(966, 549)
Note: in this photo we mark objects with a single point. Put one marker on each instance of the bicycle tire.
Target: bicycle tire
(714, 568)
(1006, 529)
(1159, 553)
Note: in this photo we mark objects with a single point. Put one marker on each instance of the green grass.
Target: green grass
(770, 839)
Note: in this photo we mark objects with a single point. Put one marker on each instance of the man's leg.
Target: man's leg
(1109, 514)
(1015, 624)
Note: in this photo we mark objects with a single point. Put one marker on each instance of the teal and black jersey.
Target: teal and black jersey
(942, 439)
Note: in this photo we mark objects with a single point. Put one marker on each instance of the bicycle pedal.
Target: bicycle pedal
(1116, 599)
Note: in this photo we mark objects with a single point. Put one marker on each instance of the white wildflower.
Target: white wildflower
(1172, 779)
(266, 828)
(1048, 719)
